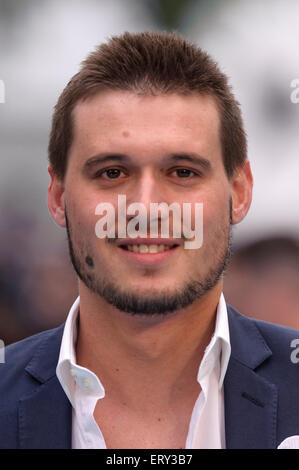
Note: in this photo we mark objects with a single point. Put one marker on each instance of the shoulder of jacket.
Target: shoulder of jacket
(17, 355)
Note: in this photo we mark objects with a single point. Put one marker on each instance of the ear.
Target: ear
(241, 185)
(56, 198)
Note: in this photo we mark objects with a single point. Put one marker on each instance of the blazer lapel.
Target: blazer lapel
(250, 400)
(45, 416)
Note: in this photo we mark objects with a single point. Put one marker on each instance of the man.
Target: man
(150, 355)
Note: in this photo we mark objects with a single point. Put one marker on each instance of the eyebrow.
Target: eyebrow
(122, 158)
(102, 158)
(192, 158)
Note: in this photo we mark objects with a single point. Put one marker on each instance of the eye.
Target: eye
(110, 173)
(184, 172)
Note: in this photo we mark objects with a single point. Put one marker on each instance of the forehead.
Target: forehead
(129, 119)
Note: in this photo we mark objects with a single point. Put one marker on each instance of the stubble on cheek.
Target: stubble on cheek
(216, 247)
(80, 250)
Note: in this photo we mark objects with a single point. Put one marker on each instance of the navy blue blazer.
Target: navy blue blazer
(261, 389)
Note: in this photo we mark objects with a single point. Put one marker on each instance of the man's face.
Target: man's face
(156, 137)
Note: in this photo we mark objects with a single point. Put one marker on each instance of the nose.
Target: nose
(148, 189)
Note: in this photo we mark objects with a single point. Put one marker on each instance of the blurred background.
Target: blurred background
(42, 43)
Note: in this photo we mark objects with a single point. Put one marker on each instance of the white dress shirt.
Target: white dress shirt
(84, 389)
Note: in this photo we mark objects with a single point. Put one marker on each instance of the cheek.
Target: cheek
(217, 203)
(209, 207)
(216, 219)
(82, 217)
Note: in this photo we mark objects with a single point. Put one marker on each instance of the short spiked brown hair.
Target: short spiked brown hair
(149, 63)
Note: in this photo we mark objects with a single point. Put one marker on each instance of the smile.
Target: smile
(147, 251)
(147, 248)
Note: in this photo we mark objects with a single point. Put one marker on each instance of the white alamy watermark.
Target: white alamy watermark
(138, 225)
(2, 351)
(295, 353)
(295, 93)
(2, 91)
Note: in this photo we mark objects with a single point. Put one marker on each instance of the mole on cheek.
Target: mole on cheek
(126, 133)
(89, 261)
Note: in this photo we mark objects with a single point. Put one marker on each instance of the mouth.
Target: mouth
(153, 248)
(148, 251)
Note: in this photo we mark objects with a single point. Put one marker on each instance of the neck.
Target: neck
(135, 356)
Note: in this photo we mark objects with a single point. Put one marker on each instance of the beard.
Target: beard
(157, 303)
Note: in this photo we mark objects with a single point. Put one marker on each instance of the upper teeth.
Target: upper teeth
(148, 248)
